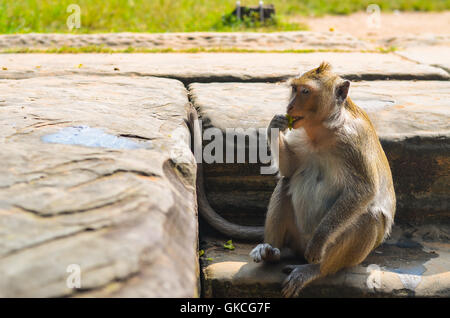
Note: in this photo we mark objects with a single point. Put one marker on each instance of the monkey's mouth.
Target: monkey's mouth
(296, 119)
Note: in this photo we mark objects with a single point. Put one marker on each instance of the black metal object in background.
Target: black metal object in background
(262, 11)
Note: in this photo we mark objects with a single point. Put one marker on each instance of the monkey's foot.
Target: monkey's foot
(299, 277)
(265, 252)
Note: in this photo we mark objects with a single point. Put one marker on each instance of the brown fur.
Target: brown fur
(333, 149)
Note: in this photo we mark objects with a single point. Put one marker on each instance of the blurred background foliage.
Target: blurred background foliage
(22, 16)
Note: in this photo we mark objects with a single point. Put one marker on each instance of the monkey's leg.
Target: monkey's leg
(349, 249)
(278, 219)
(354, 244)
(299, 276)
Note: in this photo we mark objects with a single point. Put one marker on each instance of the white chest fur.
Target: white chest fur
(316, 183)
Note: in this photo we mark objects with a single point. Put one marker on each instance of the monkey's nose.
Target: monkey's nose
(291, 105)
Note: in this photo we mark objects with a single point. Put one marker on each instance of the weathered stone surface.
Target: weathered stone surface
(220, 67)
(432, 55)
(414, 40)
(411, 263)
(127, 217)
(296, 40)
(411, 119)
(418, 108)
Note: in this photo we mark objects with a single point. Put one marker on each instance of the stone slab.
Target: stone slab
(125, 215)
(295, 40)
(217, 67)
(409, 264)
(416, 40)
(417, 107)
(438, 56)
(411, 117)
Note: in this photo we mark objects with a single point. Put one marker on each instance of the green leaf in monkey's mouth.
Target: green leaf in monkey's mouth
(292, 120)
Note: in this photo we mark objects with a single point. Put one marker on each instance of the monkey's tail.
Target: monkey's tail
(235, 231)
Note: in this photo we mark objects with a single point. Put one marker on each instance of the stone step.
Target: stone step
(411, 118)
(218, 67)
(432, 55)
(414, 262)
(295, 40)
(89, 186)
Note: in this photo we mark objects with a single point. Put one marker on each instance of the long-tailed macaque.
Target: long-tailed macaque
(334, 202)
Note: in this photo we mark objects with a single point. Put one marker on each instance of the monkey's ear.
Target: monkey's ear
(342, 91)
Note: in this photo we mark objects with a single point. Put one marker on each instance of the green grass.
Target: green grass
(105, 49)
(22, 16)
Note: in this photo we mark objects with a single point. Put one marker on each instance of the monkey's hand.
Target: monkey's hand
(280, 122)
(315, 249)
(265, 252)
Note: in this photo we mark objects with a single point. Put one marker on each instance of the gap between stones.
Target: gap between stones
(433, 65)
(236, 79)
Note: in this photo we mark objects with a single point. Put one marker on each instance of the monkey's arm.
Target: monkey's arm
(287, 163)
(352, 202)
(280, 151)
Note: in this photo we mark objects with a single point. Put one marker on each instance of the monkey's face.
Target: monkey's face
(303, 102)
(315, 96)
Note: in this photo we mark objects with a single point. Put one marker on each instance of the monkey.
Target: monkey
(334, 201)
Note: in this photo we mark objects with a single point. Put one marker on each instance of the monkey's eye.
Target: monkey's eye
(294, 89)
(305, 90)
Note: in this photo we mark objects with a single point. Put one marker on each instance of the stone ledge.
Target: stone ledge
(217, 67)
(110, 198)
(406, 265)
(416, 40)
(438, 56)
(418, 108)
(295, 40)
